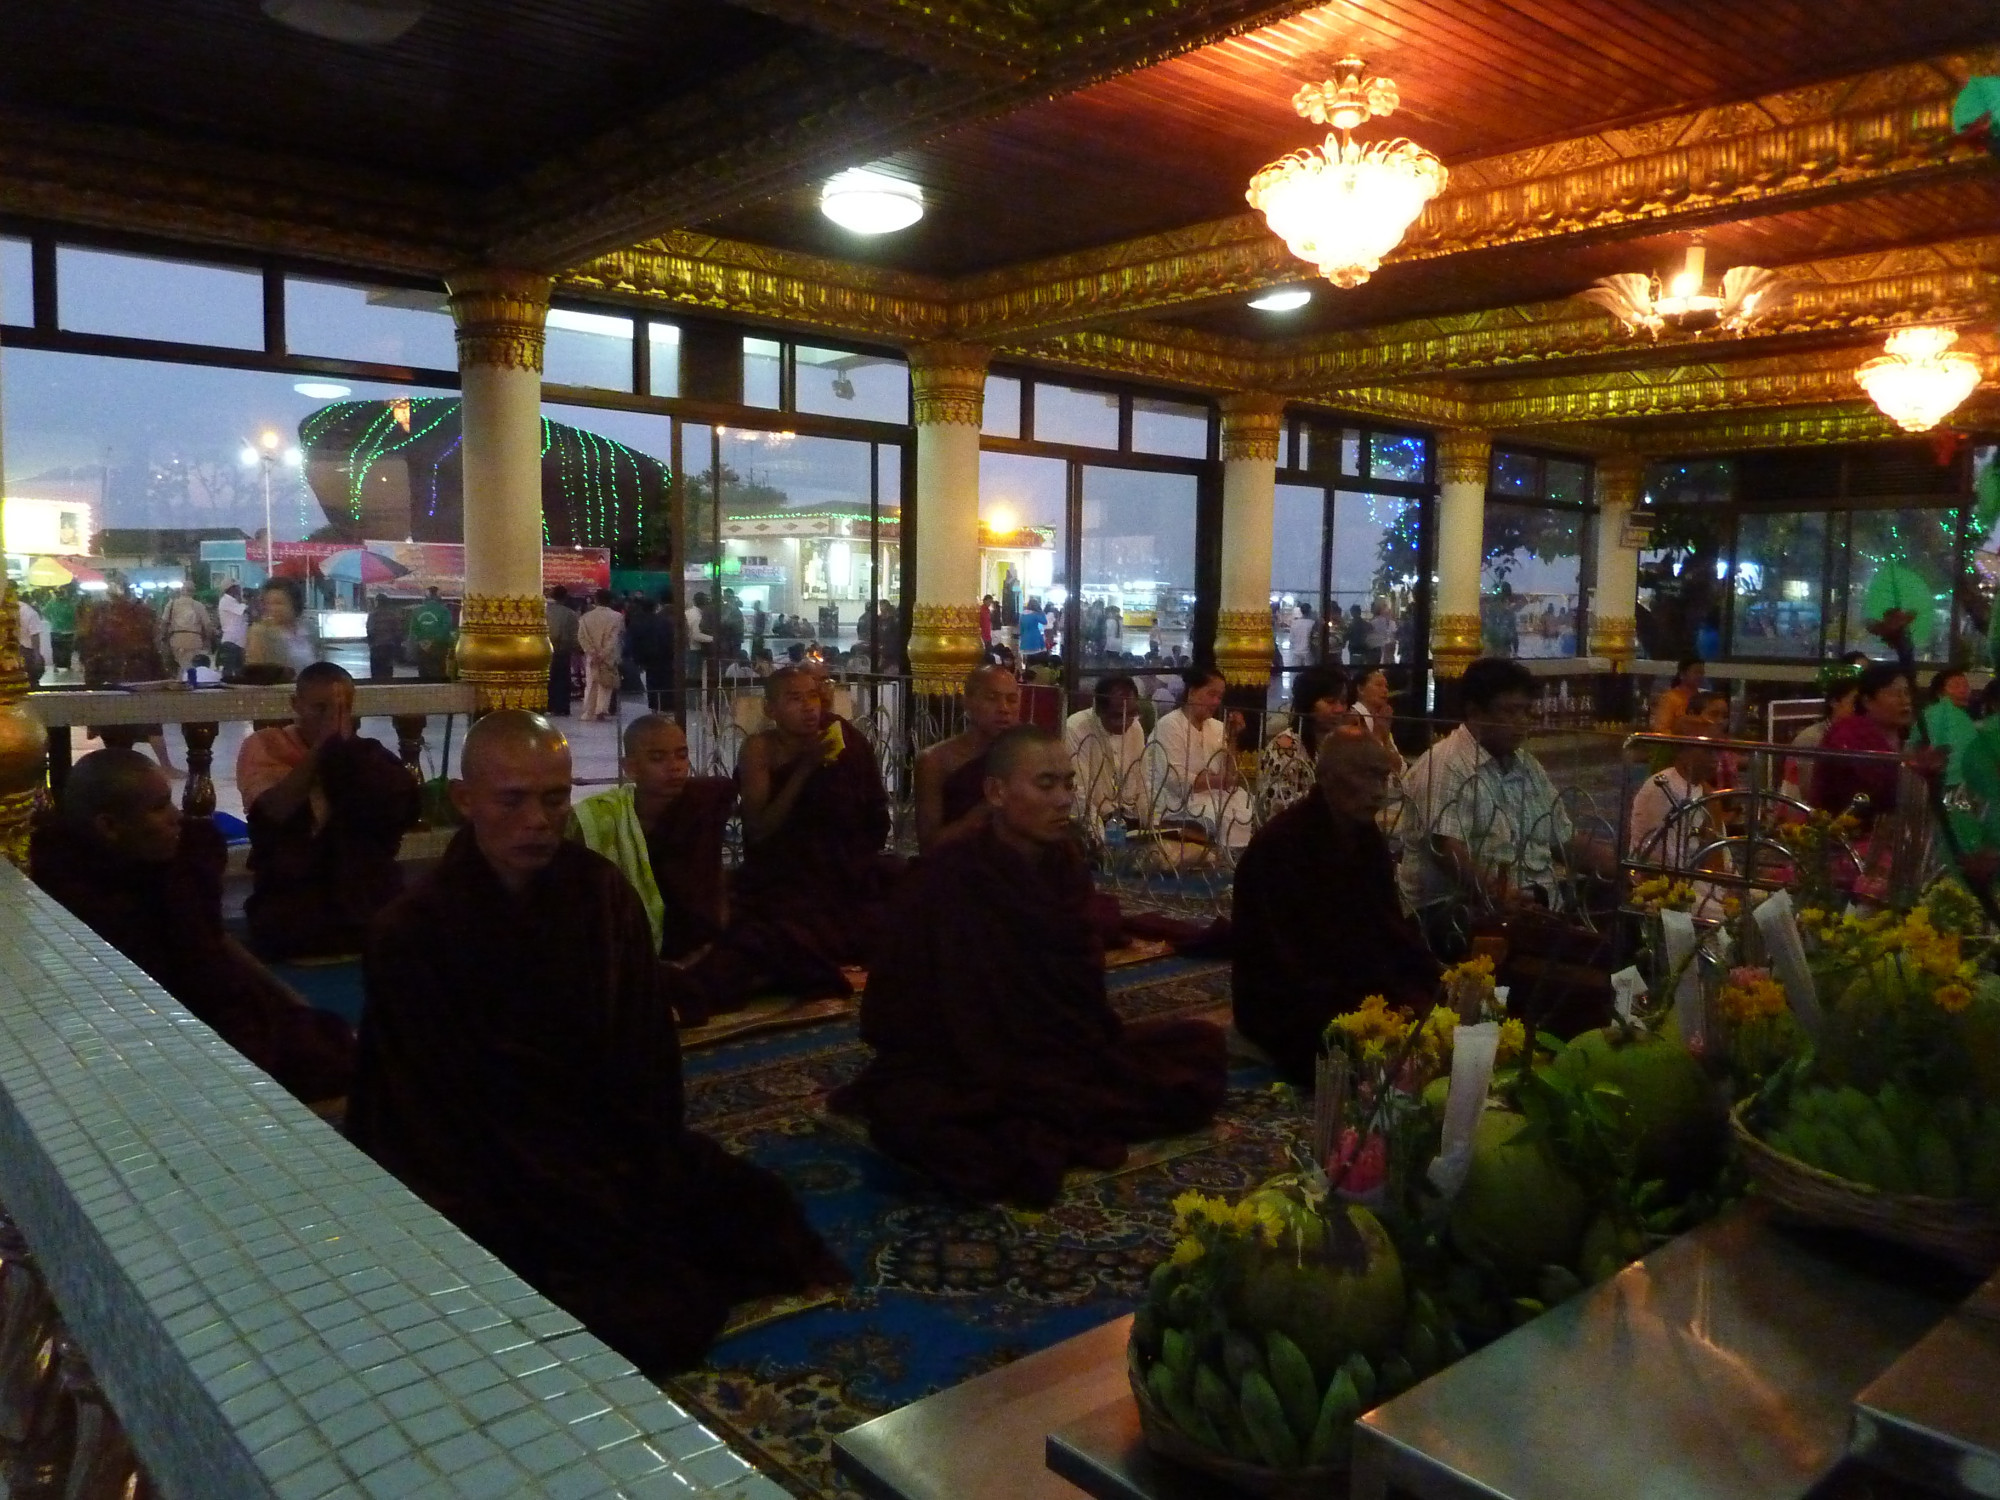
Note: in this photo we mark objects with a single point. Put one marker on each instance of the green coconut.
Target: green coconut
(1334, 1289)
(1519, 1210)
(1680, 1124)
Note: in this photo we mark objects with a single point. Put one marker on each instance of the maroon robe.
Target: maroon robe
(1318, 927)
(167, 919)
(520, 1072)
(999, 1060)
(684, 847)
(964, 789)
(316, 891)
(821, 875)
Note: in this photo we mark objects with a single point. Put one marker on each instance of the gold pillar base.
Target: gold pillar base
(1243, 643)
(1615, 637)
(24, 744)
(945, 645)
(503, 650)
(1456, 643)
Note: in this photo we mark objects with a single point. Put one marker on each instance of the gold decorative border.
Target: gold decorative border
(1456, 643)
(945, 645)
(1250, 423)
(948, 383)
(1620, 480)
(1464, 456)
(1614, 636)
(500, 316)
(503, 650)
(1243, 643)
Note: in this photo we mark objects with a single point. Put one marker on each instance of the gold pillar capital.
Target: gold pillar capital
(1243, 644)
(1621, 479)
(500, 316)
(1615, 637)
(1251, 421)
(1464, 456)
(503, 650)
(948, 381)
(1456, 643)
(945, 644)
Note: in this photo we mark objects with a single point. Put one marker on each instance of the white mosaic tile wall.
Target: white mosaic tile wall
(268, 1312)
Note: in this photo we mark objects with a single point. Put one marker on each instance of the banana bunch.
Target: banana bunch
(1896, 1141)
(1256, 1399)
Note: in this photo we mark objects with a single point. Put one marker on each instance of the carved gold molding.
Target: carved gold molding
(1243, 646)
(1614, 636)
(945, 644)
(24, 744)
(1805, 427)
(1250, 423)
(503, 650)
(1456, 643)
(948, 383)
(500, 316)
(1620, 481)
(1464, 456)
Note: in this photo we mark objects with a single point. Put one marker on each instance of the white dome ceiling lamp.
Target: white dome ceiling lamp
(1284, 299)
(862, 201)
(1920, 379)
(1343, 206)
(360, 23)
(1687, 301)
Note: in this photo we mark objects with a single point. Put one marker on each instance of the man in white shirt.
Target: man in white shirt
(1190, 763)
(36, 652)
(1107, 746)
(600, 636)
(1483, 825)
(235, 617)
(1669, 827)
(698, 640)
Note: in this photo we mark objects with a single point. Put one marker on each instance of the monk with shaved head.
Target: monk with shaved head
(999, 1062)
(951, 775)
(118, 854)
(520, 1071)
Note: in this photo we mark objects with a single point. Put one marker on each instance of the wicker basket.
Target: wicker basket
(1169, 1442)
(1959, 1231)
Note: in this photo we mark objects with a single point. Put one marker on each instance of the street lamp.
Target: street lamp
(265, 454)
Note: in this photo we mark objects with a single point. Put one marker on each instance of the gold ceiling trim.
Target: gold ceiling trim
(1111, 352)
(1805, 427)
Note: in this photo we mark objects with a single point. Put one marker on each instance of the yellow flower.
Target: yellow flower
(1750, 994)
(1952, 998)
(1513, 1040)
(1188, 1251)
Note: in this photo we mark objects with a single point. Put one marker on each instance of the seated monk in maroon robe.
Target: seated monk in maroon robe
(520, 1072)
(327, 811)
(815, 818)
(118, 854)
(1319, 924)
(665, 828)
(951, 775)
(999, 1062)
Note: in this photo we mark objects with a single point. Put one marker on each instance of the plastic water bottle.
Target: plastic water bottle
(1114, 833)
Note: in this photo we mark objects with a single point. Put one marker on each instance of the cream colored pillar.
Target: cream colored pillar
(503, 640)
(1250, 423)
(949, 383)
(1465, 457)
(24, 758)
(1614, 603)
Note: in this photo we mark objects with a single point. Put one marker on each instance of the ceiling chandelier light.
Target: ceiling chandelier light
(1688, 302)
(866, 202)
(1288, 299)
(1919, 381)
(1342, 206)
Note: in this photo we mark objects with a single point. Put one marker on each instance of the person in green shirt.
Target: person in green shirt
(430, 636)
(1947, 724)
(59, 610)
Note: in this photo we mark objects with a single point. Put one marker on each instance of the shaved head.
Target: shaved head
(508, 731)
(514, 790)
(1354, 772)
(992, 701)
(646, 725)
(1030, 786)
(987, 679)
(1017, 747)
(123, 802)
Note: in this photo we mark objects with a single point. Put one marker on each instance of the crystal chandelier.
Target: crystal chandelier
(1688, 302)
(1919, 381)
(1342, 206)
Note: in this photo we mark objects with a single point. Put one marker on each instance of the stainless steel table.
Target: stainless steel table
(1933, 1418)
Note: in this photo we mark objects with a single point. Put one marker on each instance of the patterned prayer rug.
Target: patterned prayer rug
(944, 1290)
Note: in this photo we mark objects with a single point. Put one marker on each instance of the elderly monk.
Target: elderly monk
(519, 1070)
(1318, 923)
(327, 811)
(999, 1062)
(117, 853)
(815, 818)
(951, 775)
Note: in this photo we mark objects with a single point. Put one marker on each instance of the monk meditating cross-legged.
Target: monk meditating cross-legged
(119, 855)
(1318, 924)
(999, 1062)
(327, 810)
(815, 818)
(519, 1070)
(951, 775)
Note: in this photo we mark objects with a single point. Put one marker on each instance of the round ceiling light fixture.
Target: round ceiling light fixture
(323, 390)
(361, 23)
(1287, 299)
(866, 202)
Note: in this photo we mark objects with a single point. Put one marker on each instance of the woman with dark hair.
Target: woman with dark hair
(1885, 708)
(277, 648)
(1190, 764)
(1319, 702)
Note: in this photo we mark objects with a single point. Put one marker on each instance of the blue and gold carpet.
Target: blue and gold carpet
(943, 1291)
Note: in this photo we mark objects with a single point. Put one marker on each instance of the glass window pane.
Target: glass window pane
(145, 297)
(1709, 481)
(1681, 582)
(1022, 545)
(377, 325)
(795, 536)
(1066, 415)
(1285, 444)
(763, 384)
(1138, 558)
(588, 348)
(1528, 584)
(1396, 456)
(1000, 415)
(606, 484)
(1568, 480)
(1170, 427)
(1514, 474)
(17, 283)
(834, 383)
(1780, 576)
(1923, 547)
(1298, 529)
(663, 359)
(1374, 578)
(888, 570)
